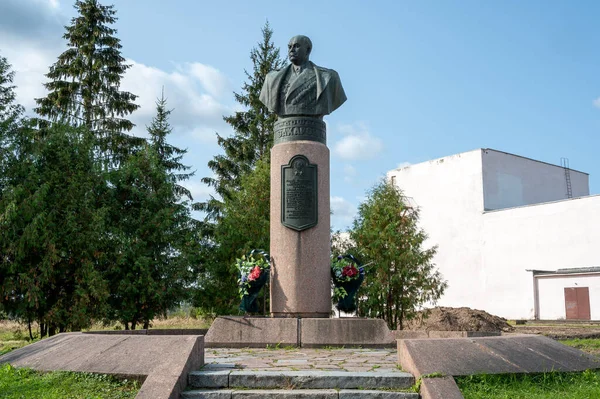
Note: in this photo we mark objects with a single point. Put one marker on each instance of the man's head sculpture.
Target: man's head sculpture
(299, 49)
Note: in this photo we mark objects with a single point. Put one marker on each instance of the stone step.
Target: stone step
(307, 379)
(296, 394)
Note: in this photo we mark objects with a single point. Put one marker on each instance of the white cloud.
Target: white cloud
(349, 173)
(596, 102)
(31, 32)
(213, 81)
(358, 143)
(194, 109)
(200, 191)
(343, 212)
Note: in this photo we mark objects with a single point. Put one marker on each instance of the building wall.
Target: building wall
(552, 298)
(510, 181)
(485, 256)
(449, 194)
(551, 236)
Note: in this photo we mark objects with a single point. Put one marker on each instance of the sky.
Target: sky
(424, 80)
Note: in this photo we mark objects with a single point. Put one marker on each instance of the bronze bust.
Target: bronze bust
(302, 88)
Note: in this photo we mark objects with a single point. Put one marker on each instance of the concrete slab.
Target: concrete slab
(440, 388)
(491, 355)
(345, 332)
(163, 362)
(252, 332)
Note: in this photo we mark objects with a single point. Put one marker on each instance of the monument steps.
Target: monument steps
(221, 384)
(296, 394)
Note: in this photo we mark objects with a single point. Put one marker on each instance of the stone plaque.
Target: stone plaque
(299, 197)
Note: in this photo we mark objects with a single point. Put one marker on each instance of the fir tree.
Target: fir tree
(52, 242)
(402, 276)
(168, 155)
(84, 81)
(253, 128)
(243, 226)
(11, 115)
(152, 229)
(10, 111)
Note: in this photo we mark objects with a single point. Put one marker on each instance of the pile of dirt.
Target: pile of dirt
(457, 319)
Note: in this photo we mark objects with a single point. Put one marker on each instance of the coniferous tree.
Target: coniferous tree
(157, 239)
(52, 245)
(10, 112)
(253, 128)
(11, 117)
(168, 155)
(84, 82)
(401, 277)
(242, 227)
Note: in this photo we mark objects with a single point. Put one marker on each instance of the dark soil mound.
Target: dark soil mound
(457, 319)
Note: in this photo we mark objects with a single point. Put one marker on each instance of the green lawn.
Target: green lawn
(11, 339)
(584, 385)
(590, 345)
(19, 383)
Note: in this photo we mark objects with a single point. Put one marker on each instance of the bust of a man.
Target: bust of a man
(302, 88)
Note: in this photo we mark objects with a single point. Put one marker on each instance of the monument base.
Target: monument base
(258, 332)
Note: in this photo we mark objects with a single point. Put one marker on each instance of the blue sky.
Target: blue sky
(423, 79)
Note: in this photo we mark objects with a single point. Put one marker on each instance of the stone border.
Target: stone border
(258, 332)
(162, 362)
(517, 353)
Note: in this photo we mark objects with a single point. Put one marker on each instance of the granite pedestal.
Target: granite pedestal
(300, 259)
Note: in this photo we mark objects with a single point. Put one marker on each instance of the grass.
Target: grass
(590, 345)
(584, 385)
(12, 336)
(18, 383)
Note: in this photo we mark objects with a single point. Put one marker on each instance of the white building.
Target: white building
(510, 240)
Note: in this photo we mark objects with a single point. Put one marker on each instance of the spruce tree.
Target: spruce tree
(253, 128)
(84, 81)
(401, 277)
(52, 241)
(11, 115)
(155, 236)
(10, 111)
(168, 155)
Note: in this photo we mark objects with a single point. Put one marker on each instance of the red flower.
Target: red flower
(254, 274)
(349, 271)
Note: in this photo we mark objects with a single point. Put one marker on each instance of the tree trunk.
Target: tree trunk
(29, 328)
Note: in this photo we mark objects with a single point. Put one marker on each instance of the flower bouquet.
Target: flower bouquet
(254, 273)
(347, 274)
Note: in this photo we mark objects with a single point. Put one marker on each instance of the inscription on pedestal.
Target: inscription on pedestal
(299, 196)
(300, 128)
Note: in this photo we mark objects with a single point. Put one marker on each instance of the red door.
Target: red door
(577, 303)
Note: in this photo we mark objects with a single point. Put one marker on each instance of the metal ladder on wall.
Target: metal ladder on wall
(564, 162)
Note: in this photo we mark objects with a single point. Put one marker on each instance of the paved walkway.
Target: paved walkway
(294, 359)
